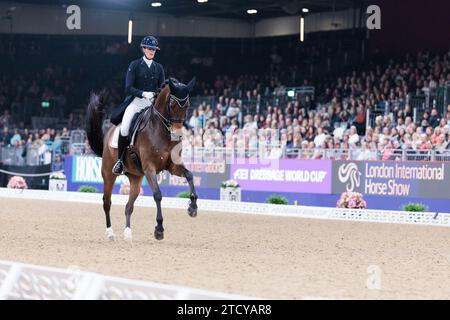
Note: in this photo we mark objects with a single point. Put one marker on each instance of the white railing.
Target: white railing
(30, 282)
(215, 206)
(25, 156)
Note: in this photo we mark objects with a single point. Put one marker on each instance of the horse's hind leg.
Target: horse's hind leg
(157, 196)
(135, 188)
(108, 184)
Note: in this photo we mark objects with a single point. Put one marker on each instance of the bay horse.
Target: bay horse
(154, 146)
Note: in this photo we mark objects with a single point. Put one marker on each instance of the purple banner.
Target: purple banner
(301, 176)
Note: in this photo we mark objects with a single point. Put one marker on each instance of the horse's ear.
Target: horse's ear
(191, 84)
(171, 86)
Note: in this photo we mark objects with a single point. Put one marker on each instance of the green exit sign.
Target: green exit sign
(45, 104)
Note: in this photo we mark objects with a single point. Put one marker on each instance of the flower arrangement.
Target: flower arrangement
(351, 200)
(125, 189)
(58, 176)
(230, 184)
(17, 182)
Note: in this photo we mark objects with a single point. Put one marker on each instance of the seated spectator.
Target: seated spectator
(5, 136)
(320, 137)
(233, 110)
(193, 120)
(434, 118)
(57, 164)
(388, 153)
(353, 137)
(16, 138)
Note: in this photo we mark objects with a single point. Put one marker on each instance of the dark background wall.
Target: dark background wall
(411, 26)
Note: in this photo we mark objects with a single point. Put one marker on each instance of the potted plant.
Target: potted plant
(230, 190)
(275, 199)
(17, 182)
(184, 194)
(351, 200)
(57, 182)
(88, 189)
(415, 207)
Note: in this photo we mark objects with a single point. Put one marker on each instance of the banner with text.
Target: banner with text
(396, 179)
(428, 180)
(87, 169)
(303, 176)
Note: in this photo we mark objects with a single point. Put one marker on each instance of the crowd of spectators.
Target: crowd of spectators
(236, 105)
(41, 146)
(336, 119)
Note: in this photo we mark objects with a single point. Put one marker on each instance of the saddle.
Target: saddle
(138, 123)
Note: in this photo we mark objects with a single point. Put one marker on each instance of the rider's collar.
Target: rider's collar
(147, 61)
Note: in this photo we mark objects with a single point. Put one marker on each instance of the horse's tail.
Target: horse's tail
(95, 113)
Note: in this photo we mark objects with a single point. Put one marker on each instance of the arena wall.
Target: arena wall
(44, 19)
(385, 185)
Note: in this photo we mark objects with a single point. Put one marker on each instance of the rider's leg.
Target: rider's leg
(122, 146)
(123, 138)
(132, 109)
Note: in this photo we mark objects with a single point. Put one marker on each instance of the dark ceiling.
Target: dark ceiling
(213, 8)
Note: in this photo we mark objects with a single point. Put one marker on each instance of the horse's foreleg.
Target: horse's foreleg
(157, 196)
(135, 187)
(108, 183)
(181, 171)
(192, 209)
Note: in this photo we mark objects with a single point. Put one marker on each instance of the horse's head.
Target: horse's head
(172, 104)
(178, 103)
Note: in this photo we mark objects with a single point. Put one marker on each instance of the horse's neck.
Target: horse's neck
(156, 127)
(161, 109)
(161, 104)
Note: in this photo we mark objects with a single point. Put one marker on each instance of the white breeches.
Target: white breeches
(134, 107)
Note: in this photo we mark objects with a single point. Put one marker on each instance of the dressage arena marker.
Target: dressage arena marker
(215, 206)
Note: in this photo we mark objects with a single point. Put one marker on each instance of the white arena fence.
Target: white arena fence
(30, 282)
(214, 206)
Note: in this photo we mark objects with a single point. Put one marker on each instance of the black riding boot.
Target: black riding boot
(122, 147)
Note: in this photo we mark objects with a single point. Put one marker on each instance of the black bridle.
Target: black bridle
(182, 103)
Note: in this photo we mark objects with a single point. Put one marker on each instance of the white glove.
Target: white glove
(148, 95)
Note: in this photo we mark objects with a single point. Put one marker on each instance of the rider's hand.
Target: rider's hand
(148, 95)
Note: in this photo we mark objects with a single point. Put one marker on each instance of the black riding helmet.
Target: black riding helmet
(150, 42)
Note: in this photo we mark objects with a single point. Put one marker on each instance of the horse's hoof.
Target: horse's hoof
(127, 235)
(110, 234)
(159, 235)
(192, 212)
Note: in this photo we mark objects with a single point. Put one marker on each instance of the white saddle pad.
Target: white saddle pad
(114, 141)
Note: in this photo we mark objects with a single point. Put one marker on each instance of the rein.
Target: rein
(163, 119)
(167, 122)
